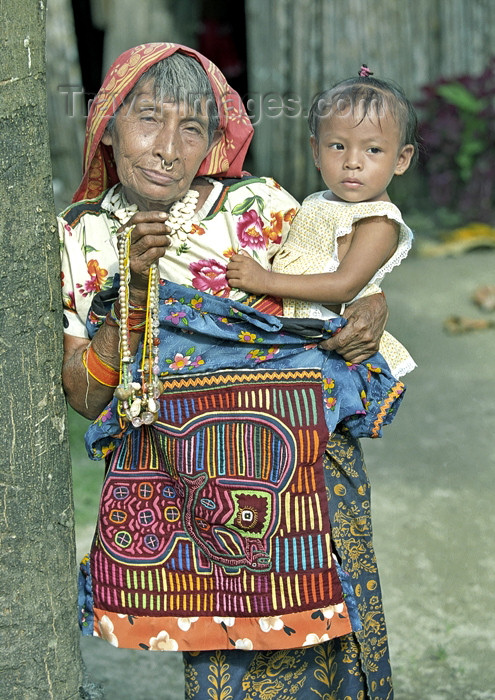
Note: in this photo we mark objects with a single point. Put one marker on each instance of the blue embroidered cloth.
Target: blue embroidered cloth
(201, 334)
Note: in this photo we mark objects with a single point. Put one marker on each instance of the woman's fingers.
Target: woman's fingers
(147, 240)
(150, 238)
(146, 223)
(143, 217)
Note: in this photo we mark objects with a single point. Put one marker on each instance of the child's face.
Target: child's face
(358, 159)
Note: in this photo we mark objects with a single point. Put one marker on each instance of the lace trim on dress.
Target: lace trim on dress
(404, 368)
(387, 209)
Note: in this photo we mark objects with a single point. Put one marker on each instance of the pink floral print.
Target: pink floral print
(250, 230)
(209, 276)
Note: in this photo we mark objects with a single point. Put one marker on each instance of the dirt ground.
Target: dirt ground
(432, 480)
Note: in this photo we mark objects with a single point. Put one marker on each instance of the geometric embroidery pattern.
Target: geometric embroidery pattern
(230, 515)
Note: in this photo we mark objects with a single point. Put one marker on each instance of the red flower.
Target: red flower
(69, 301)
(250, 230)
(209, 276)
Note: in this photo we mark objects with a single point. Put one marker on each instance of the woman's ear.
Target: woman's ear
(107, 138)
(404, 159)
(316, 150)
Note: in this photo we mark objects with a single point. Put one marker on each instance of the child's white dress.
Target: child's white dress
(312, 247)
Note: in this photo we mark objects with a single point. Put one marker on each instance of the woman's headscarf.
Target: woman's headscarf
(224, 160)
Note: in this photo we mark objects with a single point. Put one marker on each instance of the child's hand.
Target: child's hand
(245, 273)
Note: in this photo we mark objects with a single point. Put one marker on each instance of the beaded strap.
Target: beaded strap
(138, 400)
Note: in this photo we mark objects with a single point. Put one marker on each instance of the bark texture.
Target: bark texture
(38, 630)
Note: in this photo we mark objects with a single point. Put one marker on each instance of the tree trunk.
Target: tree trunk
(38, 630)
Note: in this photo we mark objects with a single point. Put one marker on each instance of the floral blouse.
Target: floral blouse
(249, 213)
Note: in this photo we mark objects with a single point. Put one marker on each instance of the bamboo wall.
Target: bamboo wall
(298, 47)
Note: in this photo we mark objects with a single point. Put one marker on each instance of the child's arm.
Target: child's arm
(373, 242)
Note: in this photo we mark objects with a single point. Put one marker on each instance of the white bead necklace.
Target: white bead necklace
(138, 401)
(181, 213)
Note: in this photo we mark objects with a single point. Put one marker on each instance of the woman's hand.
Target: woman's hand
(150, 239)
(243, 272)
(360, 338)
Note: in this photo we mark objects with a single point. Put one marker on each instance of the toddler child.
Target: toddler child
(345, 239)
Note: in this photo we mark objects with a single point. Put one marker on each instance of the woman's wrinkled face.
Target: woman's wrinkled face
(145, 134)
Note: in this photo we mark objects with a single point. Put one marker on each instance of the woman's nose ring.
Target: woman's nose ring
(165, 166)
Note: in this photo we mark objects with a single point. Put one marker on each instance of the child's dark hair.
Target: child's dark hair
(371, 96)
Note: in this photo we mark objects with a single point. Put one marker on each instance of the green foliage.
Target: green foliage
(457, 129)
(475, 127)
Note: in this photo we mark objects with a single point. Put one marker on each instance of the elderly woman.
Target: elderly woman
(230, 527)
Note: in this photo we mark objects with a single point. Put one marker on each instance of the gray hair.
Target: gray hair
(180, 79)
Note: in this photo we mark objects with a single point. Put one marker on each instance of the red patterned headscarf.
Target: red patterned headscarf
(224, 160)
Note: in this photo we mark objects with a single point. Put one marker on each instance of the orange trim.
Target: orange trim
(395, 392)
(99, 370)
(200, 381)
(205, 633)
